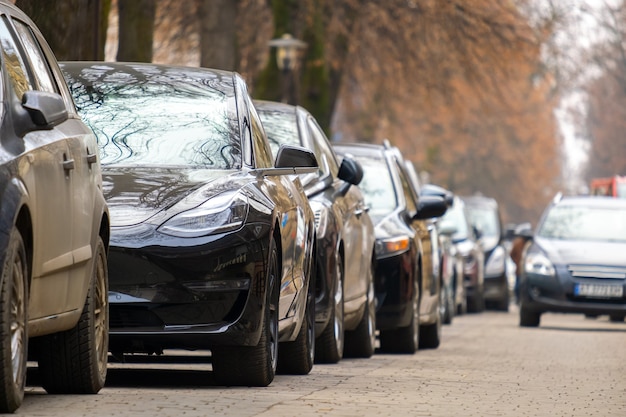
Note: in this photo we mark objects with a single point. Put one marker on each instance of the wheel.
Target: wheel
(404, 339)
(476, 303)
(503, 302)
(13, 319)
(448, 303)
(254, 366)
(330, 344)
(430, 335)
(528, 318)
(616, 318)
(75, 361)
(361, 342)
(296, 358)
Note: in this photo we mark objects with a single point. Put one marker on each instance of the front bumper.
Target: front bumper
(557, 294)
(187, 293)
(394, 289)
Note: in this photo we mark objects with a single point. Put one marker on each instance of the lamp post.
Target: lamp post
(287, 59)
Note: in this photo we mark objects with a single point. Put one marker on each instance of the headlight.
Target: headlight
(222, 213)
(392, 246)
(496, 263)
(537, 263)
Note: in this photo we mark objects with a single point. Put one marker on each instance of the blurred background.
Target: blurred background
(515, 99)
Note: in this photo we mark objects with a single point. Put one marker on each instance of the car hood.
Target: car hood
(390, 226)
(563, 252)
(135, 195)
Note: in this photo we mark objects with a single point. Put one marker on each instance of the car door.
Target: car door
(44, 167)
(82, 169)
(348, 203)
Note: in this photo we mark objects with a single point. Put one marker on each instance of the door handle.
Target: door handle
(92, 158)
(68, 164)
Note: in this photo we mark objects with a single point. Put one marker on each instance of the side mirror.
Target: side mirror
(435, 190)
(46, 110)
(350, 171)
(429, 207)
(295, 156)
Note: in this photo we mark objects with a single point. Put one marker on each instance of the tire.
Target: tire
(476, 303)
(404, 339)
(254, 366)
(75, 361)
(329, 346)
(503, 302)
(448, 302)
(528, 318)
(430, 335)
(616, 318)
(361, 342)
(296, 358)
(13, 324)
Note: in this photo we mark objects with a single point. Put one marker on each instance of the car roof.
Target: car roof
(219, 80)
(359, 148)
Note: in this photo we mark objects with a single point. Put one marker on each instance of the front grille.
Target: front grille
(597, 271)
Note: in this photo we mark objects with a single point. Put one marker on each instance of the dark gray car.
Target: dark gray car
(54, 226)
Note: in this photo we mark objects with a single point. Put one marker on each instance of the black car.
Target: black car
(484, 215)
(402, 284)
(575, 262)
(344, 285)
(211, 240)
(54, 227)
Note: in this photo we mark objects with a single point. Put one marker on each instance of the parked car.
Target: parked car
(54, 227)
(344, 284)
(407, 312)
(455, 225)
(484, 215)
(575, 262)
(211, 239)
(450, 264)
(433, 254)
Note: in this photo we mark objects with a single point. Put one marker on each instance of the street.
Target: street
(485, 366)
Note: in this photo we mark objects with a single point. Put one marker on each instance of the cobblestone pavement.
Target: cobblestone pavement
(485, 366)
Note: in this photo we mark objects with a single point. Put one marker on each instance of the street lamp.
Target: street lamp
(287, 54)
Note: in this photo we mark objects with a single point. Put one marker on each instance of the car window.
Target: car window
(377, 186)
(13, 62)
(281, 129)
(486, 220)
(406, 187)
(38, 63)
(456, 216)
(262, 151)
(584, 223)
(325, 155)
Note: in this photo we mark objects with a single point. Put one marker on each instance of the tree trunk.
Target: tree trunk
(75, 29)
(218, 34)
(136, 28)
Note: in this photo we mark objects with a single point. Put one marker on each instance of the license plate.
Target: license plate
(600, 291)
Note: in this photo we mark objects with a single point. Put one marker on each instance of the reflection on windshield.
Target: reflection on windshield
(280, 128)
(159, 122)
(485, 220)
(377, 186)
(584, 223)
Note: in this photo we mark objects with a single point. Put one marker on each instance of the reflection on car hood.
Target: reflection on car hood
(390, 226)
(134, 195)
(490, 242)
(565, 252)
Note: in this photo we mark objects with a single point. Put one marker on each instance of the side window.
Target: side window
(262, 152)
(406, 187)
(38, 63)
(324, 153)
(13, 62)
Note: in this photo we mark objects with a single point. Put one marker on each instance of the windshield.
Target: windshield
(377, 186)
(167, 122)
(456, 216)
(486, 220)
(584, 223)
(621, 189)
